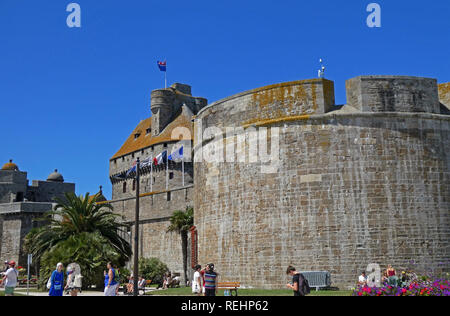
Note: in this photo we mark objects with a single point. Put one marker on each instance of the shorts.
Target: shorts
(111, 291)
(9, 290)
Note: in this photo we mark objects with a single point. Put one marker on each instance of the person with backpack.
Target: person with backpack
(10, 279)
(299, 284)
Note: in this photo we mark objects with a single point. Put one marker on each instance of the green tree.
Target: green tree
(181, 222)
(79, 230)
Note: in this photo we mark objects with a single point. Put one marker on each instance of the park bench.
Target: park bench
(231, 286)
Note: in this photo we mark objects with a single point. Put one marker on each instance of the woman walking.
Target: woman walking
(197, 282)
(110, 281)
(57, 281)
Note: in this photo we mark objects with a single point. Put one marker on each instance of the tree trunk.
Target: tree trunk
(184, 242)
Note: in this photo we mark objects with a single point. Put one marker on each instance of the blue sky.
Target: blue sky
(69, 97)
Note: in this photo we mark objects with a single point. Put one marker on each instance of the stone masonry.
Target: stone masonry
(367, 182)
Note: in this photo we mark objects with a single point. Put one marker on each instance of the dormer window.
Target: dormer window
(136, 136)
(148, 131)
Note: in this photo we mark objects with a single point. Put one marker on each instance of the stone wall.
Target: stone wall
(157, 177)
(14, 226)
(350, 189)
(154, 215)
(393, 94)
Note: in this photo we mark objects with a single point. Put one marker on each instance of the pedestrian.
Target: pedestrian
(110, 281)
(10, 279)
(210, 280)
(197, 281)
(6, 266)
(299, 284)
(71, 287)
(202, 274)
(57, 281)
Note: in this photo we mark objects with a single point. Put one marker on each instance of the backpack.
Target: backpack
(305, 288)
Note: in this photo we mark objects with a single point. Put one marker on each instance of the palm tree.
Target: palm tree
(74, 216)
(181, 222)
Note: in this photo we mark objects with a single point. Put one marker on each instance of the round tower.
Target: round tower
(162, 101)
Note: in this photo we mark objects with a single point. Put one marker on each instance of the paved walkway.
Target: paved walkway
(23, 291)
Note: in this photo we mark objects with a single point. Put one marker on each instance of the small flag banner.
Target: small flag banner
(162, 65)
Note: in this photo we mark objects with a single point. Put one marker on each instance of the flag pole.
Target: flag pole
(136, 234)
(167, 173)
(182, 169)
(151, 176)
(165, 79)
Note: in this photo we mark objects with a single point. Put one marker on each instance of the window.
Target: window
(169, 196)
(148, 131)
(136, 136)
(19, 197)
(165, 145)
(134, 184)
(132, 155)
(170, 175)
(124, 188)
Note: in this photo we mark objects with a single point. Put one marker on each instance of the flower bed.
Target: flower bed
(438, 287)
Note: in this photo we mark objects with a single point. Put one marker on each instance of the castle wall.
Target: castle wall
(16, 221)
(12, 182)
(157, 177)
(393, 94)
(350, 189)
(154, 215)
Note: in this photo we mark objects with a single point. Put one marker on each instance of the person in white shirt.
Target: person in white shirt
(362, 281)
(10, 279)
(197, 282)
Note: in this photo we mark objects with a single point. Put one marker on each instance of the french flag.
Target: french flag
(162, 65)
(161, 158)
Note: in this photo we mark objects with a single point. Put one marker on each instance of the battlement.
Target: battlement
(393, 94)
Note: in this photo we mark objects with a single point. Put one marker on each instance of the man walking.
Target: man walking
(299, 283)
(10, 279)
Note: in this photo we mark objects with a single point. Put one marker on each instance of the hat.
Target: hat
(12, 263)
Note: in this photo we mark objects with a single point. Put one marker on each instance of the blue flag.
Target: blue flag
(177, 154)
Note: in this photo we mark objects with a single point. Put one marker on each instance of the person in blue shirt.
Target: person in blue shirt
(111, 283)
(57, 281)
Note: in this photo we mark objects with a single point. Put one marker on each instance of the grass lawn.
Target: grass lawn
(187, 291)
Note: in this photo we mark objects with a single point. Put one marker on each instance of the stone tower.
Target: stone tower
(366, 182)
(161, 186)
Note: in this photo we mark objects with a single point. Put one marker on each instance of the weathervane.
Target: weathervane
(321, 71)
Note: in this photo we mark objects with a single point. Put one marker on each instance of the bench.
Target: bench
(231, 286)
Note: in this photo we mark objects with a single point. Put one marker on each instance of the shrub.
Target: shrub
(152, 269)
